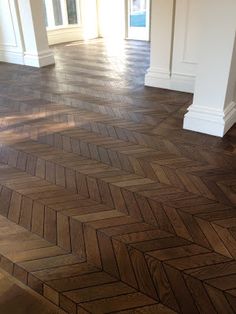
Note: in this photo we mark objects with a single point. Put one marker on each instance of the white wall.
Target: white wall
(88, 9)
(175, 40)
(11, 44)
(111, 18)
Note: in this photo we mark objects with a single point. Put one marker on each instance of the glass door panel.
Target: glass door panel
(138, 19)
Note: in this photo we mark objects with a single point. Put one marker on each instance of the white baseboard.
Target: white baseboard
(210, 121)
(42, 59)
(12, 57)
(36, 60)
(175, 81)
(63, 35)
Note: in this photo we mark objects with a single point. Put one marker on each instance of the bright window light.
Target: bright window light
(61, 13)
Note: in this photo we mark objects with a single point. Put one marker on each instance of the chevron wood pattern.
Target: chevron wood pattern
(106, 204)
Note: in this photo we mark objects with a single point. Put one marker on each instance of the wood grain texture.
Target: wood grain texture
(106, 203)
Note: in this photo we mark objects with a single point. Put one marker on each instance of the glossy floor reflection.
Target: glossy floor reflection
(106, 204)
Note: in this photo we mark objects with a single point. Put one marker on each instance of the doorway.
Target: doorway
(138, 19)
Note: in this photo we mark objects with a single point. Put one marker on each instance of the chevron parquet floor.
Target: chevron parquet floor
(107, 205)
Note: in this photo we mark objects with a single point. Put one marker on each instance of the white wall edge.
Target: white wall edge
(209, 120)
(175, 81)
(42, 59)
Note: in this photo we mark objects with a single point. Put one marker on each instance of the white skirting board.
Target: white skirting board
(42, 59)
(31, 59)
(63, 35)
(209, 120)
(15, 57)
(175, 81)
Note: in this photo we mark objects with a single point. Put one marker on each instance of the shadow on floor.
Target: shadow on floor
(15, 298)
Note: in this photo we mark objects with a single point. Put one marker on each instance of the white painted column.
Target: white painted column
(174, 44)
(37, 52)
(162, 18)
(214, 109)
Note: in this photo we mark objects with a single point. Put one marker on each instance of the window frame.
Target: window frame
(64, 11)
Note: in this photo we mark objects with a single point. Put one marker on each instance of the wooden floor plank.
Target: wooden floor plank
(109, 205)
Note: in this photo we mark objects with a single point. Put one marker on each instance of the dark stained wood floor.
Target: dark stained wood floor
(107, 205)
(16, 298)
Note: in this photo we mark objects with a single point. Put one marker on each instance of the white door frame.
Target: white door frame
(138, 33)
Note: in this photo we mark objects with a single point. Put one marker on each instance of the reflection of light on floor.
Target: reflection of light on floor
(114, 47)
(77, 43)
(29, 126)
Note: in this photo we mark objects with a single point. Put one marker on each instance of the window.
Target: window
(61, 13)
(72, 11)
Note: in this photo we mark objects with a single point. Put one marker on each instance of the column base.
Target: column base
(210, 121)
(175, 81)
(39, 60)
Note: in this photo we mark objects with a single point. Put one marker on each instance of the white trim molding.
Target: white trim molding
(64, 34)
(39, 60)
(157, 77)
(31, 59)
(15, 57)
(209, 120)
